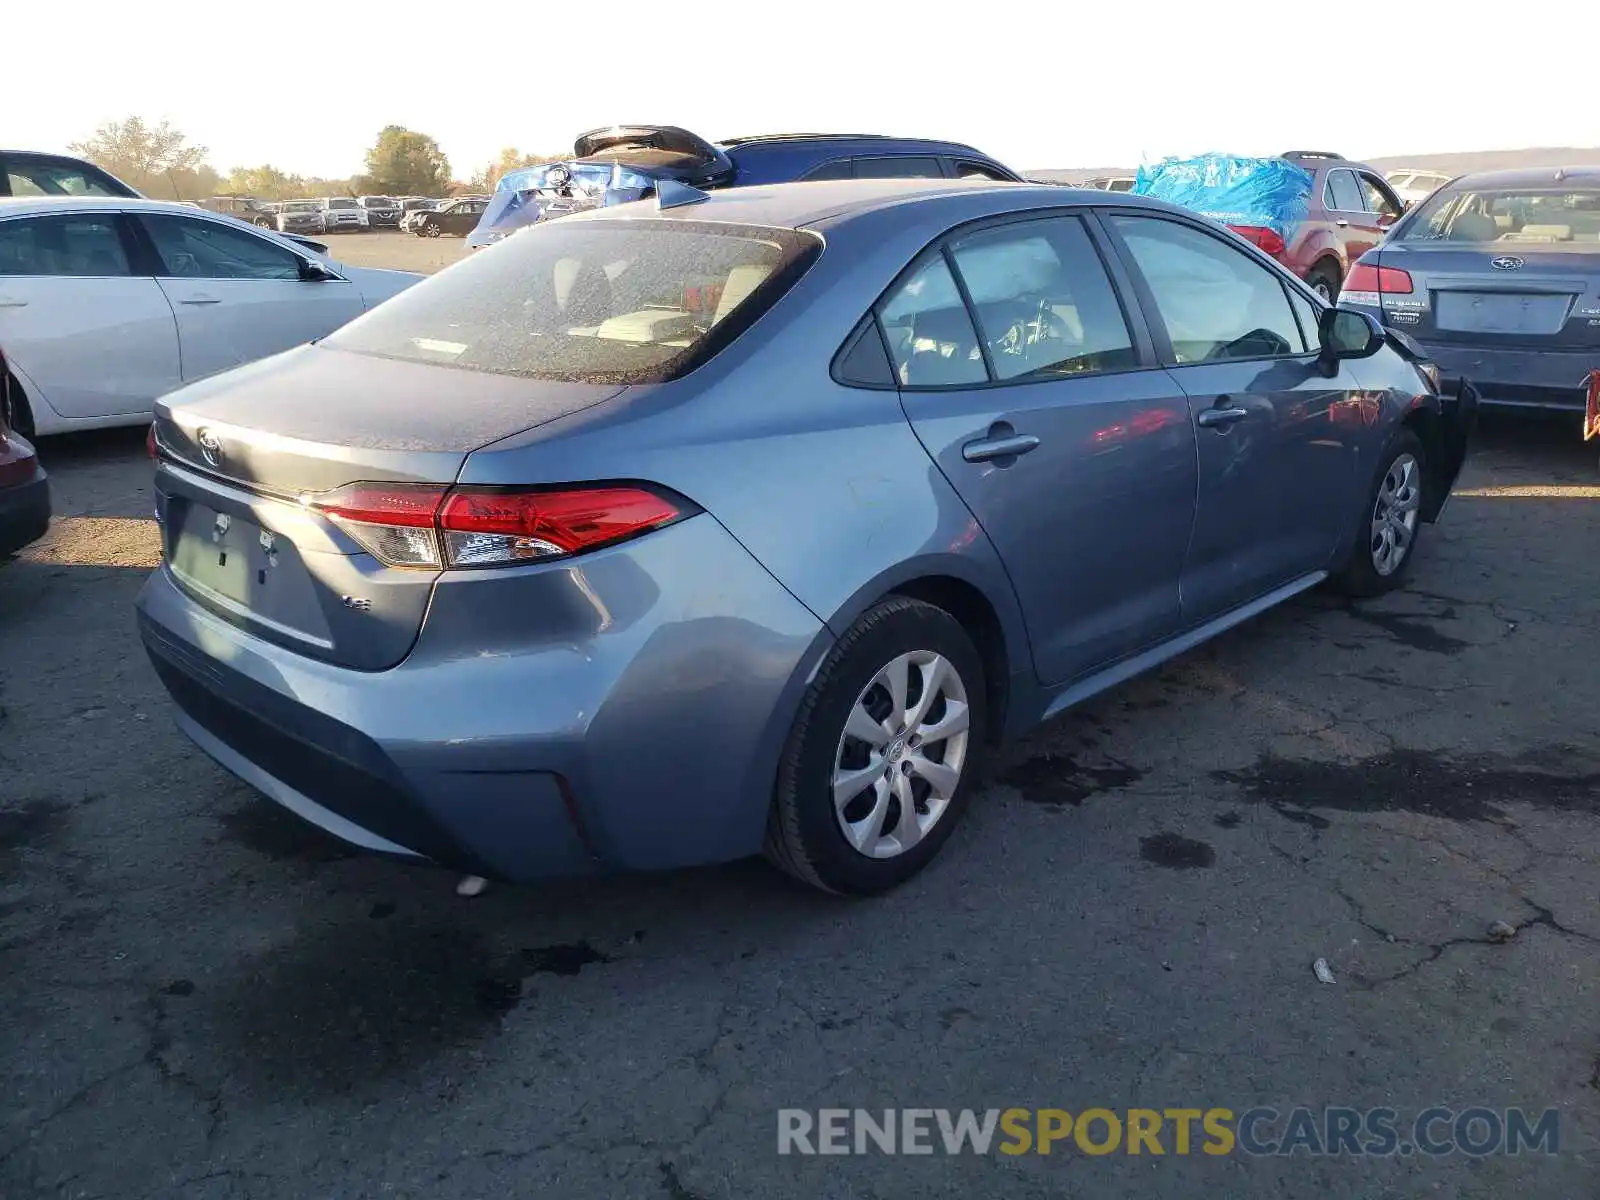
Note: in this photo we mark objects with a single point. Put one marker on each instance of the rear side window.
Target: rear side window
(1216, 302)
(86, 245)
(974, 170)
(1044, 303)
(598, 301)
(1343, 192)
(930, 334)
(839, 168)
(900, 167)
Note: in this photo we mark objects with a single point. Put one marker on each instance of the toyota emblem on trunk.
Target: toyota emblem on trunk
(210, 446)
(1506, 262)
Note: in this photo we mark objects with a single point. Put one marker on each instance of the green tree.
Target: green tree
(407, 163)
(156, 159)
(265, 182)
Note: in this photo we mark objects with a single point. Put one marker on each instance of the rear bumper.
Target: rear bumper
(1540, 379)
(550, 720)
(24, 512)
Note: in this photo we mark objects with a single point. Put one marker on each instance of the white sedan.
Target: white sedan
(107, 303)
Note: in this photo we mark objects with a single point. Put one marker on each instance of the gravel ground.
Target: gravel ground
(396, 251)
(204, 998)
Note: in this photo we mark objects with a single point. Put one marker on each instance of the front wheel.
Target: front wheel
(1391, 521)
(881, 760)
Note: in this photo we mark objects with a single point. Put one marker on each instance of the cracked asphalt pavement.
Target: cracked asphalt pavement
(204, 998)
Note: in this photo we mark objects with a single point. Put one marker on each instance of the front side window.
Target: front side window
(1342, 192)
(899, 167)
(839, 168)
(1376, 198)
(86, 245)
(930, 333)
(209, 250)
(1044, 303)
(39, 177)
(595, 301)
(1216, 302)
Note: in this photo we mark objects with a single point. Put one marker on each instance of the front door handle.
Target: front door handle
(12, 302)
(989, 448)
(1342, 223)
(1221, 417)
(201, 298)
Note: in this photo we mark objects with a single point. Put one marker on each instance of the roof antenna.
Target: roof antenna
(672, 194)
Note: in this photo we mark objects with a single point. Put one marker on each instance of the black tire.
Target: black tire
(1324, 280)
(16, 412)
(804, 834)
(1360, 575)
(432, 229)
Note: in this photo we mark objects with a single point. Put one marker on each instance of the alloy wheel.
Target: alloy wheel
(901, 754)
(1394, 514)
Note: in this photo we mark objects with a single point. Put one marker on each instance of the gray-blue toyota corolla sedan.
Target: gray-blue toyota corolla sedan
(678, 531)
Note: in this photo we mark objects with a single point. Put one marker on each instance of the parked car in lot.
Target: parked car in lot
(625, 162)
(343, 213)
(456, 217)
(1412, 185)
(411, 204)
(668, 533)
(1111, 183)
(1497, 276)
(30, 173)
(24, 490)
(382, 211)
(246, 208)
(1315, 212)
(301, 216)
(106, 304)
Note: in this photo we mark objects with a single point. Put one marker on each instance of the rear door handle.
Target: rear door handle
(201, 298)
(1342, 223)
(12, 302)
(1220, 417)
(999, 447)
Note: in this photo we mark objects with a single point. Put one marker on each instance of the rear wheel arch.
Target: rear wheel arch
(22, 412)
(974, 612)
(1329, 267)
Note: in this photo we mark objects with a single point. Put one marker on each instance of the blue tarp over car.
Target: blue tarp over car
(551, 189)
(1270, 193)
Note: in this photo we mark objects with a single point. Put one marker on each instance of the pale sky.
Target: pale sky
(1041, 83)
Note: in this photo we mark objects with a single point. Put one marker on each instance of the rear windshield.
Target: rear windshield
(377, 202)
(342, 202)
(611, 301)
(299, 206)
(1555, 216)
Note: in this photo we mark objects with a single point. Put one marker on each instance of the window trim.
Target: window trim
(160, 270)
(1139, 333)
(1147, 300)
(1327, 191)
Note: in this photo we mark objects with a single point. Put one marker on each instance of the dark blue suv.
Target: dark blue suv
(624, 162)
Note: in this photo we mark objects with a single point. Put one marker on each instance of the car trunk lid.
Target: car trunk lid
(247, 462)
(661, 150)
(1504, 294)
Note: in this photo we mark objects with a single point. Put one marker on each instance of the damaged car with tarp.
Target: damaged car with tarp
(621, 163)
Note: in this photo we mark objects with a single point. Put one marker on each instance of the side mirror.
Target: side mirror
(312, 271)
(1349, 333)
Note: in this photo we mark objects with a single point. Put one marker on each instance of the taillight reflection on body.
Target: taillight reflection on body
(424, 525)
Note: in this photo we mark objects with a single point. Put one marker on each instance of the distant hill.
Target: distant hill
(1451, 164)
(1494, 160)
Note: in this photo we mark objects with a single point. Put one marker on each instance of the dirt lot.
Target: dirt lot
(396, 251)
(204, 998)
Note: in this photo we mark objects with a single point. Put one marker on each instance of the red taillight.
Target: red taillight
(1269, 240)
(150, 441)
(425, 525)
(1387, 280)
(482, 527)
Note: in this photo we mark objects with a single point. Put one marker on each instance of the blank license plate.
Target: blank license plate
(1501, 312)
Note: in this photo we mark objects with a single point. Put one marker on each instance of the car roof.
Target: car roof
(12, 206)
(809, 204)
(867, 141)
(1588, 176)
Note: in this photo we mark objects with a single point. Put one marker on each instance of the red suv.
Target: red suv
(1350, 208)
